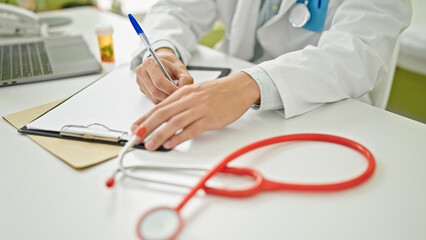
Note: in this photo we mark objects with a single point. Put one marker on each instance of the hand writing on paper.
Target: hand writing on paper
(197, 108)
(152, 81)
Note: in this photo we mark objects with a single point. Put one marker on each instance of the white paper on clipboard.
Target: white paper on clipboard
(114, 101)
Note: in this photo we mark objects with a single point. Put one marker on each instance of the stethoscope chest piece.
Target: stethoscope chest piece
(299, 15)
(160, 223)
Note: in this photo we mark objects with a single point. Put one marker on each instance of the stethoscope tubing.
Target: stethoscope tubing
(267, 185)
(125, 171)
(302, 187)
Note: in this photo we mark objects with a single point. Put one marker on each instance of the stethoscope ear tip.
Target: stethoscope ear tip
(110, 182)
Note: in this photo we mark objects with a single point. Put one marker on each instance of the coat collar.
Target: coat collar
(244, 26)
(284, 8)
(243, 29)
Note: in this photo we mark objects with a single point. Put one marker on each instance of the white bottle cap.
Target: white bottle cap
(103, 29)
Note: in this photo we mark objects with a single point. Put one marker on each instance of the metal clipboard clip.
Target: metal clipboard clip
(88, 132)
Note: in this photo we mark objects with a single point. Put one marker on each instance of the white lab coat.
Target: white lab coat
(308, 68)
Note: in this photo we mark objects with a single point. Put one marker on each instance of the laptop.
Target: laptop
(45, 59)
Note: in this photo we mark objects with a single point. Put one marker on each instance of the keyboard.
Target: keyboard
(24, 60)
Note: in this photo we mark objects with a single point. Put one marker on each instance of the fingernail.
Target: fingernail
(133, 127)
(140, 131)
(168, 144)
(149, 144)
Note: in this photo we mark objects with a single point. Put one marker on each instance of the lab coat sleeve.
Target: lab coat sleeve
(269, 95)
(349, 58)
(181, 22)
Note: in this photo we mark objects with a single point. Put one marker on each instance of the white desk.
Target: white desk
(43, 198)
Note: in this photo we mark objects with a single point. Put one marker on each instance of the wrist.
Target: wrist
(165, 50)
(249, 87)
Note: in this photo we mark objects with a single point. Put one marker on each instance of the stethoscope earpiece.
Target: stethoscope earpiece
(110, 182)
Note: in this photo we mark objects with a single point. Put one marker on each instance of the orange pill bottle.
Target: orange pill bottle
(106, 47)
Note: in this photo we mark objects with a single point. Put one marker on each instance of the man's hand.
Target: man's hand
(197, 108)
(152, 81)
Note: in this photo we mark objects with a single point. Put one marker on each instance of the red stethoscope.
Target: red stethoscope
(167, 222)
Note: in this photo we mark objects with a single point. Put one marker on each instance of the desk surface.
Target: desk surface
(43, 198)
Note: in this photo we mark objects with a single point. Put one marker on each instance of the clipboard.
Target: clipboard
(108, 93)
(77, 154)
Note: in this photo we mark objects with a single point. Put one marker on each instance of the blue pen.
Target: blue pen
(145, 41)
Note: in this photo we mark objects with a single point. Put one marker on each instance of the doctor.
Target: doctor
(307, 53)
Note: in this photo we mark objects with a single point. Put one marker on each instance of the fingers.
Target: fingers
(182, 75)
(176, 116)
(193, 109)
(159, 81)
(176, 123)
(141, 74)
(173, 112)
(173, 102)
(184, 79)
(152, 81)
(191, 131)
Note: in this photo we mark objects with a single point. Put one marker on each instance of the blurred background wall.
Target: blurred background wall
(43, 5)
